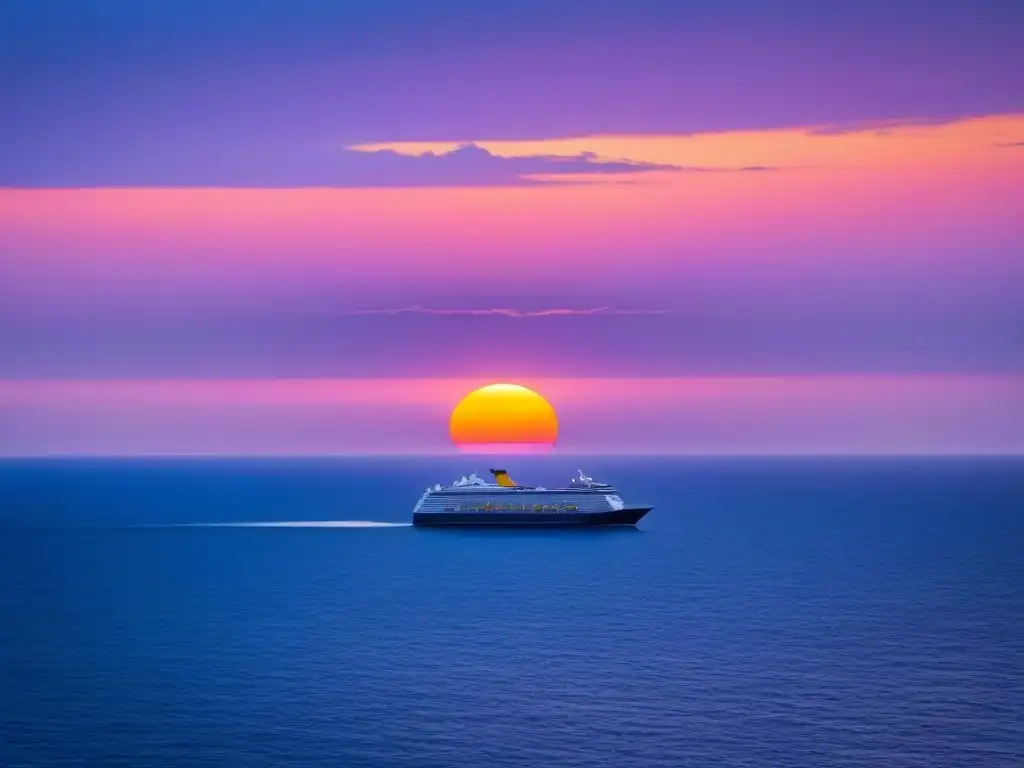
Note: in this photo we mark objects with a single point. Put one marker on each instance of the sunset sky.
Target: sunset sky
(729, 226)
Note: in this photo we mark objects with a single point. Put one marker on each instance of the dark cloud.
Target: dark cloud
(182, 165)
(177, 166)
(470, 165)
(1011, 144)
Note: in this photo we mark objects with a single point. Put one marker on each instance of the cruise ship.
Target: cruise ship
(474, 501)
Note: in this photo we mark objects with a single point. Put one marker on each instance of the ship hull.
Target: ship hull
(625, 516)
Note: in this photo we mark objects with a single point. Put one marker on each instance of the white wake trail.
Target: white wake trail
(303, 524)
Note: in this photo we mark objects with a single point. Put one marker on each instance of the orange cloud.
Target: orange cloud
(893, 193)
(970, 142)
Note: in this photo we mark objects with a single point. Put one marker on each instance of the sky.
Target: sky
(310, 227)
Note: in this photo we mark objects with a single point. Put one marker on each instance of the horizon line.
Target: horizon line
(548, 455)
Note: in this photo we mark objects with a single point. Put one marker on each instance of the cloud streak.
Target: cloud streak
(302, 165)
(517, 314)
(882, 126)
(898, 143)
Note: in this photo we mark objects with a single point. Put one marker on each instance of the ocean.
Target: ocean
(768, 612)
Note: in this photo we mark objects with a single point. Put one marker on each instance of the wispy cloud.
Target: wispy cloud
(880, 126)
(416, 309)
(531, 161)
(1010, 144)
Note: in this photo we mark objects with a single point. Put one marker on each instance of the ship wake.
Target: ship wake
(302, 524)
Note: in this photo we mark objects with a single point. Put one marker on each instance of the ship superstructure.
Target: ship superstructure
(474, 501)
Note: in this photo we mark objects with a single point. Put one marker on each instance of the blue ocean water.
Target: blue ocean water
(768, 612)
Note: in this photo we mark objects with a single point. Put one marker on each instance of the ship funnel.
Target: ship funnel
(501, 478)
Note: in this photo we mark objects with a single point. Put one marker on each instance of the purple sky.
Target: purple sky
(206, 190)
(126, 76)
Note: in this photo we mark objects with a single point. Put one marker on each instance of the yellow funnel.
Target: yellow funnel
(501, 478)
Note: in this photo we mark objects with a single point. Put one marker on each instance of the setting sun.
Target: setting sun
(505, 418)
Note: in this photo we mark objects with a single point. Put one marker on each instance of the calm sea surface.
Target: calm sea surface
(769, 612)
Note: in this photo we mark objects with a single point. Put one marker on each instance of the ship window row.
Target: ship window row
(513, 508)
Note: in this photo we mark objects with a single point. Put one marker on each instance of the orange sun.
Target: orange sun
(504, 418)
